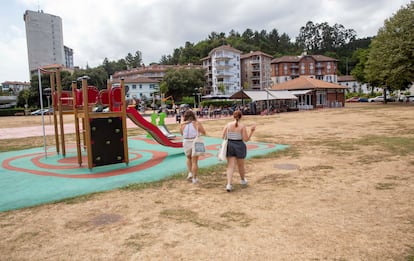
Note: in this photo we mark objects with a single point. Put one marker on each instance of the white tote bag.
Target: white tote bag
(222, 152)
(199, 147)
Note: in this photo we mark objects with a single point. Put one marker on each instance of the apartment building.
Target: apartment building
(14, 87)
(44, 36)
(154, 71)
(256, 71)
(139, 88)
(222, 71)
(319, 67)
(144, 81)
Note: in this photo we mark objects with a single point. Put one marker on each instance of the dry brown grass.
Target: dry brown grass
(343, 191)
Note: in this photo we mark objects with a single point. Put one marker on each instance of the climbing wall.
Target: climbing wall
(107, 141)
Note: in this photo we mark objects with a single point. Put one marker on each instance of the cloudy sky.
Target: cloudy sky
(96, 29)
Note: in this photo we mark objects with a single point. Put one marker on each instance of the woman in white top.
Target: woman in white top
(236, 133)
(190, 129)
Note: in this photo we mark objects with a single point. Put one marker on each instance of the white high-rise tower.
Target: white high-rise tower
(44, 36)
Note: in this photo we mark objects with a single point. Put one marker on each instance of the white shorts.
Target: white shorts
(188, 146)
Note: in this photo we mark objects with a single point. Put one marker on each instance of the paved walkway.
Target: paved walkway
(34, 131)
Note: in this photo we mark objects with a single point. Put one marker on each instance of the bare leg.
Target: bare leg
(189, 163)
(194, 166)
(240, 166)
(230, 169)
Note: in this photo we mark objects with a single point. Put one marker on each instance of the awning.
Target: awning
(263, 95)
(283, 95)
(217, 96)
(300, 92)
(253, 95)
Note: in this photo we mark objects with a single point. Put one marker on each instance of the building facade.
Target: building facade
(44, 36)
(222, 67)
(313, 93)
(14, 87)
(139, 88)
(256, 71)
(155, 71)
(318, 67)
(68, 57)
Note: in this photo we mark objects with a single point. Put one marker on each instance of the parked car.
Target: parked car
(45, 112)
(37, 112)
(409, 98)
(363, 99)
(353, 99)
(376, 99)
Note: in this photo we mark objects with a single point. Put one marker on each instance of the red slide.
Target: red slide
(155, 132)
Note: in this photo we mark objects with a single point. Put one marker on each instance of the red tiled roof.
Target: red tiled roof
(256, 53)
(225, 47)
(137, 80)
(15, 83)
(296, 59)
(346, 78)
(304, 83)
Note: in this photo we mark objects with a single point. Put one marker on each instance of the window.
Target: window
(134, 86)
(320, 98)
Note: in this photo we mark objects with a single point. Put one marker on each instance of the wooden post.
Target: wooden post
(87, 124)
(55, 109)
(76, 116)
(123, 117)
(62, 130)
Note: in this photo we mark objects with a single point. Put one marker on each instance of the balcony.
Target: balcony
(222, 66)
(223, 74)
(222, 57)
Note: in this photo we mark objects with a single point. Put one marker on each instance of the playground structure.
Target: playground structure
(103, 134)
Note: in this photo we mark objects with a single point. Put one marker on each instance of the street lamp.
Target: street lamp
(267, 88)
(47, 93)
(153, 100)
(197, 95)
(200, 92)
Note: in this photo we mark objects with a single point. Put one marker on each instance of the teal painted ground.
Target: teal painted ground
(29, 177)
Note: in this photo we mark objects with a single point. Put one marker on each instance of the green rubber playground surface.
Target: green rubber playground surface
(31, 177)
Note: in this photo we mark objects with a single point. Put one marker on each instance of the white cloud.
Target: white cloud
(110, 29)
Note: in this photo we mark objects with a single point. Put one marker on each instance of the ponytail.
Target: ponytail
(237, 116)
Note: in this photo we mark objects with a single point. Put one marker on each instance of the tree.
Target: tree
(361, 56)
(163, 87)
(320, 38)
(113, 66)
(390, 61)
(25, 95)
(221, 88)
(134, 61)
(182, 82)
